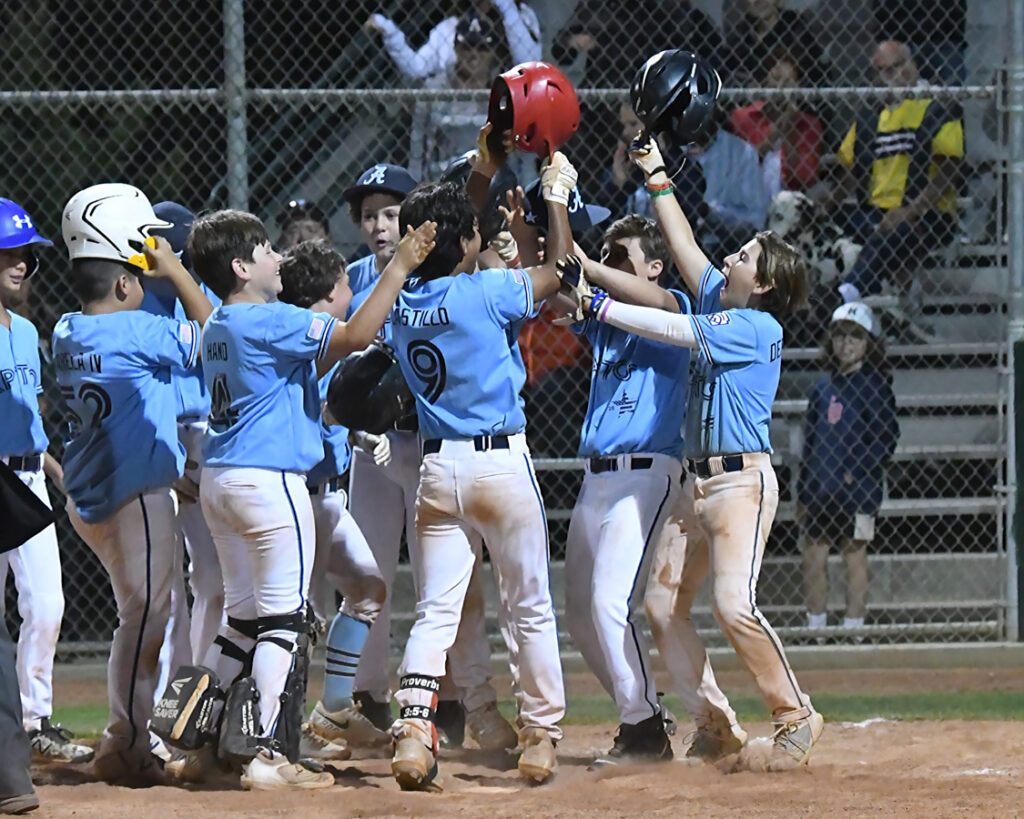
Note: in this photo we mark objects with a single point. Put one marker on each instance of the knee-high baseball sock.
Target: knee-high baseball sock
(345, 643)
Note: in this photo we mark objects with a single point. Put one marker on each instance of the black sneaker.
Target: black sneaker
(636, 744)
(379, 713)
(450, 720)
(53, 743)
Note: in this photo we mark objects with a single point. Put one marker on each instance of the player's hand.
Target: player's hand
(574, 285)
(162, 262)
(515, 213)
(558, 178)
(504, 244)
(377, 446)
(647, 156)
(415, 247)
(186, 489)
(491, 152)
(374, 24)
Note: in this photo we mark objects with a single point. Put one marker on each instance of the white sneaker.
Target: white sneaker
(346, 727)
(271, 771)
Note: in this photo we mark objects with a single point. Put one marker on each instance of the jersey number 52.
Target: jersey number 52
(428, 365)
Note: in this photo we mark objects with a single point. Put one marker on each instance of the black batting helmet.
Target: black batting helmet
(674, 94)
(368, 392)
(491, 220)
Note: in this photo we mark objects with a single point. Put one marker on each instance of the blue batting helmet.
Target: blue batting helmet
(18, 230)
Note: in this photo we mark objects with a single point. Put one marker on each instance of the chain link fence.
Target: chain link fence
(869, 133)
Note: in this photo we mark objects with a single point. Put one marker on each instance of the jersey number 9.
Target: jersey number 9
(428, 365)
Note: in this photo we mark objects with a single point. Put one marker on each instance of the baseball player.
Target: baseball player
(23, 444)
(258, 365)
(382, 500)
(313, 276)
(452, 336)
(114, 365)
(631, 444)
(730, 480)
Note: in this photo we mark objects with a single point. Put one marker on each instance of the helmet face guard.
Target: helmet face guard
(538, 104)
(18, 230)
(674, 95)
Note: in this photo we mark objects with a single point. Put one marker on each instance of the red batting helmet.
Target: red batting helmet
(538, 104)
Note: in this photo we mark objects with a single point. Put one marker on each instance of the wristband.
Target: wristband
(599, 303)
(661, 192)
(557, 193)
(658, 187)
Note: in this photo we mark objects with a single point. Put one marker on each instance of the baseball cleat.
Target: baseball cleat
(379, 713)
(346, 727)
(537, 761)
(17, 805)
(413, 764)
(52, 743)
(792, 742)
(129, 769)
(191, 766)
(489, 729)
(637, 744)
(450, 721)
(314, 747)
(270, 771)
(711, 746)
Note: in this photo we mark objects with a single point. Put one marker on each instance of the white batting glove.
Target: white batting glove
(186, 489)
(505, 246)
(378, 446)
(558, 179)
(647, 157)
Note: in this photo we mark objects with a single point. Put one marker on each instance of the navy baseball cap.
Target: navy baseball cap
(382, 178)
(581, 215)
(181, 219)
(474, 31)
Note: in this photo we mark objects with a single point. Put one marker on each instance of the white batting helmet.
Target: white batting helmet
(105, 221)
(859, 313)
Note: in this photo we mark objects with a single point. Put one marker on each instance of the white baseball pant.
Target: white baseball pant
(139, 548)
(37, 578)
(734, 512)
(465, 495)
(262, 525)
(614, 532)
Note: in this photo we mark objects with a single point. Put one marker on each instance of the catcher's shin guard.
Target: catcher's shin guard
(184, 716)
(240, 723)
(293, 701)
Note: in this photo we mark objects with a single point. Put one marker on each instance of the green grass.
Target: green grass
(88, 720)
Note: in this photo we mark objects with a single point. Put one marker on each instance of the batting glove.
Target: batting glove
(378, 446)
(647, 156)
(558, 179)
(505, 246)
(575, 288)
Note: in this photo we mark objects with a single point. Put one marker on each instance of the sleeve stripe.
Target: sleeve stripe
(699, 332)
(325, 339)
(193, 352)
(528, 287)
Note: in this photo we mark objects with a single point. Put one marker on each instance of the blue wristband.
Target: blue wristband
(599, 304)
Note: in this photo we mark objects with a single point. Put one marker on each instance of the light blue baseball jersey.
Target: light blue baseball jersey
(337, 450)
(114, 371)
(735, 378)
(265, 403)
(362, 274)
(454, 338)
(638, 392)
(21, 432)
(161, 299)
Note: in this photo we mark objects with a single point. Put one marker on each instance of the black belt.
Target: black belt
(330, 485)
(598, 465)
(701, 467)
(408, 423)
(26, 463)
(481, 443)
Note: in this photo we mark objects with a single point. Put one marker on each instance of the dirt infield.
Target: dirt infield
(876, 768)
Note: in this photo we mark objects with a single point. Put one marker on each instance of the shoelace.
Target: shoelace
(57, 732)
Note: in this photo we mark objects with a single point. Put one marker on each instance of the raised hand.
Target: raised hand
(415, 246)
(647, 156)
(558, 178)
(161, 260)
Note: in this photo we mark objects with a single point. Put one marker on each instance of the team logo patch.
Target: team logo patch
(718, 319)
(186, 333)
(316, 329)
(519, 276)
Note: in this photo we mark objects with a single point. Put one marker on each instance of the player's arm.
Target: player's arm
(558, 180)
(686, 253)
(627, 288)
(54, 471)
(357, 333)
(484, 164)
(649, 322)
(164, 264)
(524, 235)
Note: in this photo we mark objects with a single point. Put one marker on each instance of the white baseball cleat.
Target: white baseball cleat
(347, 727)
(792, 742)
(538, 761)
(270, 771)
(413, 764)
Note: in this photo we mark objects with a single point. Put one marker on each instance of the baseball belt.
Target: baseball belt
(481, 443)
(598, 465)
(26, 463)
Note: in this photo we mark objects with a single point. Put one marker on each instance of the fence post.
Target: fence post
(235, 105)
(1015, 442)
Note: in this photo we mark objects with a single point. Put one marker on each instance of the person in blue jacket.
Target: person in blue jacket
(850, 432)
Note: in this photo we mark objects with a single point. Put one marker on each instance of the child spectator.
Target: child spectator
(850, 431)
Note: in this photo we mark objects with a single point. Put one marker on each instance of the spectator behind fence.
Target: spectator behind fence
(850, 432)
(624, 192)
(787, 139)
(934, 31)
(754, 36)
(735, 202)
(618, 35)
(903, 159)
(435, 62)
(301, 221)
